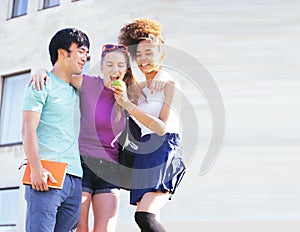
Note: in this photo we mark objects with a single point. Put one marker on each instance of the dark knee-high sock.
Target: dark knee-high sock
(147, 222)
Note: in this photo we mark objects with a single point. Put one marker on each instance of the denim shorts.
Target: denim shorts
(100, 176)
(54, 210)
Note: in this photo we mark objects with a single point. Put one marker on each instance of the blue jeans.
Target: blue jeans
(54, 210)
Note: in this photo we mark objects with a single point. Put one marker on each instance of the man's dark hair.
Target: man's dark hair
(64, 38)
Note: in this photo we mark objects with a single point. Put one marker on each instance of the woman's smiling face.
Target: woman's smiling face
(113, 67)
(148, 56)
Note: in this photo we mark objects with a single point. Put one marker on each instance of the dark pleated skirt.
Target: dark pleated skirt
(158, 166)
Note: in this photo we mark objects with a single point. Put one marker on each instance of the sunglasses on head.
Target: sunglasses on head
(110, 47)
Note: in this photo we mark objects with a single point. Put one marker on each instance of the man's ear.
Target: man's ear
(61, 52)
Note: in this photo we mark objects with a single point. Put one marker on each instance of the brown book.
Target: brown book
(58, 170)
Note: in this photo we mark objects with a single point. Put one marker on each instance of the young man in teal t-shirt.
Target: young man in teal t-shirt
(50, 132)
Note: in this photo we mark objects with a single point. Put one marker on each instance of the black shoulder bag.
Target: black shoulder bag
(128, 144)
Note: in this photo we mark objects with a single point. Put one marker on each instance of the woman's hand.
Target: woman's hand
(39, 79)
(157, 85)
(120, 95)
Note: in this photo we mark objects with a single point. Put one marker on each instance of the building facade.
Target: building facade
(250, 48)
(26, 28)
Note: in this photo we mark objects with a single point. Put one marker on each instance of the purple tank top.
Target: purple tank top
(98, 128)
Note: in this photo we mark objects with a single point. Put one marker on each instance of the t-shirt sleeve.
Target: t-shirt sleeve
(34, 100)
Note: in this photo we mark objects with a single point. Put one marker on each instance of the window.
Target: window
(10, 111)
(19, 8)
(9, 201)
(50, 3)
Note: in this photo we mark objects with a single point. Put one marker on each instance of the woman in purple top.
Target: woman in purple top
(102, 121)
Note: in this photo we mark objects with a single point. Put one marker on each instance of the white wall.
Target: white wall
(251, 49)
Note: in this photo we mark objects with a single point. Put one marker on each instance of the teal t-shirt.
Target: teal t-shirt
(58, 128)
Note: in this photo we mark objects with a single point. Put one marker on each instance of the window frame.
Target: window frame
(2, 79)
(44, 6)
(10, 225)
(13, 6)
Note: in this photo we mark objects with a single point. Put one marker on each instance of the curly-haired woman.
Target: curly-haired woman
(157, 168)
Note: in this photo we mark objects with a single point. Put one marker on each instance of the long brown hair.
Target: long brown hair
(134, 92)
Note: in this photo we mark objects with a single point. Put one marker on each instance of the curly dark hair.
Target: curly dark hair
(132, 33)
